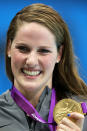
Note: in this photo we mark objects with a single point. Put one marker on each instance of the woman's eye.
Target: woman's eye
(44, 51)
(22, 48)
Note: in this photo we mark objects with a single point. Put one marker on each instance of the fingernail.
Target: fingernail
(68, 114)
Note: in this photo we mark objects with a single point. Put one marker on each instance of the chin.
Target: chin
(30, 86)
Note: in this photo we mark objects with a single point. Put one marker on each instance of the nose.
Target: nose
(32, 59)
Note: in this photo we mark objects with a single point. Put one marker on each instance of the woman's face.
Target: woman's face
(33, 56)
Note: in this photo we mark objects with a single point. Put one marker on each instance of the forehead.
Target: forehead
(34, 34)
(34, 31)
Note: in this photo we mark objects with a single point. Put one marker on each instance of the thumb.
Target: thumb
(77, 118)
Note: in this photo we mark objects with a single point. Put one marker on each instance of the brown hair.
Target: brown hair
(65, 75)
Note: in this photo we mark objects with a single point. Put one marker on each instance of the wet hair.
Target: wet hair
(65, 75)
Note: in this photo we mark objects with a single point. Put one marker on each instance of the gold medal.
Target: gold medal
(64, 107)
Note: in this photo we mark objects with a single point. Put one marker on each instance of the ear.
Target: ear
(9, 49)
(60, 53)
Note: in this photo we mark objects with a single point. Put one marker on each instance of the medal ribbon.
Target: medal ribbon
(27, 107)
(84, 107)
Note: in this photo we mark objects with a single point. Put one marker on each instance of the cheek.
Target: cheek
(49, 62)
(16, 59)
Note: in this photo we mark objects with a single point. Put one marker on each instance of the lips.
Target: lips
(31, 73)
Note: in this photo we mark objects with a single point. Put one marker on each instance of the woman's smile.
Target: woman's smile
(32, 74)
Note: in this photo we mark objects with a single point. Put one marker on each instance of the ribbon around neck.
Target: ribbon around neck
(27, 107)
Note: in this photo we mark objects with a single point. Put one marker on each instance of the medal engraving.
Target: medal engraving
(65, 106)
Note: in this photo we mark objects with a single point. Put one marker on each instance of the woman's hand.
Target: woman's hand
(67, 124)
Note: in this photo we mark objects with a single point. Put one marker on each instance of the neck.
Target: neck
(31, 96)
(34, 101)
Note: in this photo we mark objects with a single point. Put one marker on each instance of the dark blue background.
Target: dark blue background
(74, 12)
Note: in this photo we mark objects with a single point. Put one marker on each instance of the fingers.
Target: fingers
(76, 115)
(65, 121)
(63, 127)
(68, 125)
(78, 119)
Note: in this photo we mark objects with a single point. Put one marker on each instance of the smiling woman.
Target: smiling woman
(40, 65)
(33, 53)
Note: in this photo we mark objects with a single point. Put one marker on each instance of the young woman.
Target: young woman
(40, 64)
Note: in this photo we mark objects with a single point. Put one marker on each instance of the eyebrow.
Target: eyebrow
(44, 47)
(25, 44)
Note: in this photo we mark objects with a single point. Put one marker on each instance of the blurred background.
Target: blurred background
(74, 12)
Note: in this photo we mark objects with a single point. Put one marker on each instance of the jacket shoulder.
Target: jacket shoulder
(5, 99)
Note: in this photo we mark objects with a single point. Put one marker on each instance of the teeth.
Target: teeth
(31, 73)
